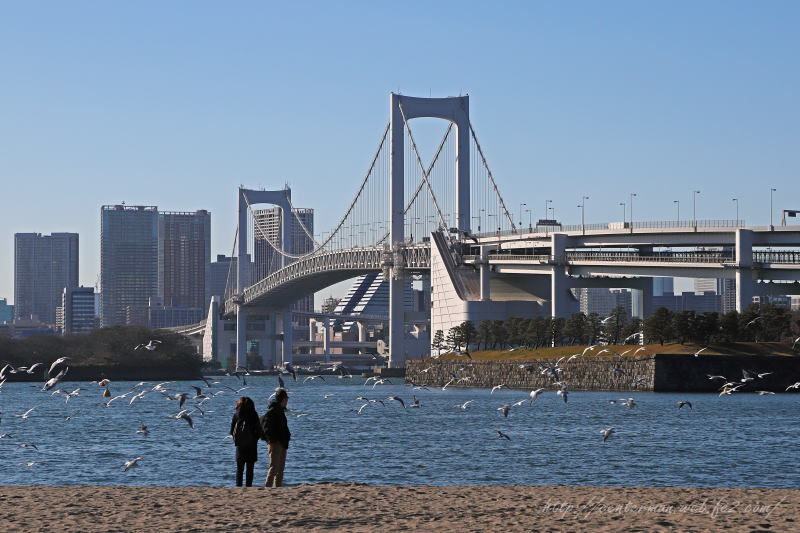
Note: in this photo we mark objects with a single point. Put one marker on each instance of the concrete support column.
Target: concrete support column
(326, 340)
(483, 264)
(559, 286)
(745, 286)
(312, 329)
(397, 358)
(241, 336)
(288, 338)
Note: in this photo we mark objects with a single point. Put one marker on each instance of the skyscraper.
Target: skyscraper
(128, 260)
(268, 230)
(43, 266)
(184, 252)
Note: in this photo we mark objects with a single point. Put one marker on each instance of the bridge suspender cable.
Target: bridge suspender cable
(491, 178)
(422, 182)
(422, 167)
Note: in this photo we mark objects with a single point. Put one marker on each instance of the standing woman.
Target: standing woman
(246, 432)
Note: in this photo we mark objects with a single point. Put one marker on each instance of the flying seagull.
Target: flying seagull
(184, 415)
(397, 399)
(150, 346)
(501, 435)
(505, 409)
(607, 433)
(133, 463)
(684, 402)
(58, 362)
(465, 405)
(142, 429)
(698, 352)
(535, 394)
(497, 387)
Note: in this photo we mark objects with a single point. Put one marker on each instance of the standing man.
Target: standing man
(277, 435)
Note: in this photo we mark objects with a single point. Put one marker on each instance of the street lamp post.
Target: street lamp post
(583, 207)
(494, 215)
(623, 213)
(520, 213)
(736, 201)
(530, 220)
(678, 203)
(771, 190)
(633, 195)
(694, 207)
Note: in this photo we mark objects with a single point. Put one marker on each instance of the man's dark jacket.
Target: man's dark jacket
(274, 425)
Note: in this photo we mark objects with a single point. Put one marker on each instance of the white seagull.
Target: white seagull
(150, 346)
(535, 394)
(497, 387)
(701, 350)
(133, 463)
(607, 433)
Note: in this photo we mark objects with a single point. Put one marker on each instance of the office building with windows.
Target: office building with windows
(184, 252)
(77, 311)
(128, 261)
(43, 266)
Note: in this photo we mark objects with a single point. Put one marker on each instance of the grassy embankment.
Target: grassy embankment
(736, 348)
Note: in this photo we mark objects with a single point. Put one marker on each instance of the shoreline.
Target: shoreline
(357, 507)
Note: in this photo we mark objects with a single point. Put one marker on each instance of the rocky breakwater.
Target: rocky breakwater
(581, 374)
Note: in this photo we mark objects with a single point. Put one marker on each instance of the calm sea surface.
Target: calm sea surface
(742, 440)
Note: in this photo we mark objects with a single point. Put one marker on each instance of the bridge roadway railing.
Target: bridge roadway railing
(770, 257)
(617, 226)
(413, 257)
(785, 257)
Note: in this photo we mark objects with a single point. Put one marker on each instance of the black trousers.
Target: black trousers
(240, 466)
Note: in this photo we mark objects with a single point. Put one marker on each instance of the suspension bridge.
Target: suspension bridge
(410, 217)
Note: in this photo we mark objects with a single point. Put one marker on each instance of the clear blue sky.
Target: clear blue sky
(176, 103)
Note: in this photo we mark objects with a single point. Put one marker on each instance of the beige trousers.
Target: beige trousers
(277, 461)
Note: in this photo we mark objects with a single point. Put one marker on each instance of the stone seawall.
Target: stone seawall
(657, 373)
(596, 373)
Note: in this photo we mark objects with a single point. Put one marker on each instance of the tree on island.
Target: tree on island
(437, 343)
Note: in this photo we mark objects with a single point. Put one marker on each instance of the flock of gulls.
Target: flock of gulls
(197, 400)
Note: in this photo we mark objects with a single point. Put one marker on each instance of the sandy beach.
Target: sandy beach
(349, 507)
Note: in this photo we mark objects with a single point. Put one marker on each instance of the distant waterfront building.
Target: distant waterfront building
(724, 288)
(603, 301)
(781, 300)
(329, 304)
(727, 292)
(43, 266)
(21, 328)
(77, 310)
(267, 233)
(128, 261)
(663, 285)
(184, 252)
(6, 311)
(688, 301)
